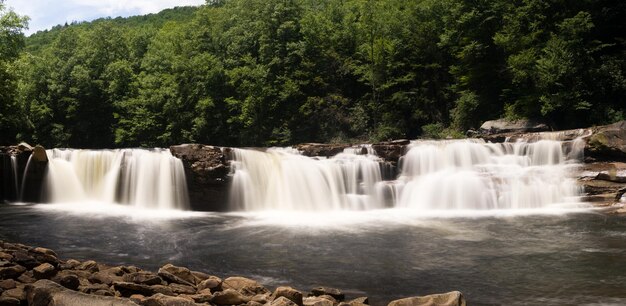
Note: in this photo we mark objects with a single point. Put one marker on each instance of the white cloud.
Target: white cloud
(47, 13)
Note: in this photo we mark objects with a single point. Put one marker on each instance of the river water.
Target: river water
(550, 258)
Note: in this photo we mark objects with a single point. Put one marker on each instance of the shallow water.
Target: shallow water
(548, 259)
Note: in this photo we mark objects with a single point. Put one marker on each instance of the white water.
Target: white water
(282, 179)
(435, 176)
(14, 171)
(135, 177)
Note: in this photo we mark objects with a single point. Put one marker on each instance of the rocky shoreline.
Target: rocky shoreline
(37, 276)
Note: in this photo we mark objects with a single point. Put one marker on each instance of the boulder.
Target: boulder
(288, 292)
(9, 301)
(206, 171)
(607, 142)
(68, 281)
(283, 301)
(335, 293)
(164, 300)
(24, 259)
(11, 272)
(106, 277)
(362, 301)
(229, 297)
(318, 301)
(213, 283)
(182, 289)
(44, 270)
(174, 274)
(7, 284)
(502, 125)
(244, 285)
(321, 149)
(391, 151)
(17, 293)
(127, 289)
(89, 265)
(45, 292)
(454, 298)
(146, 278)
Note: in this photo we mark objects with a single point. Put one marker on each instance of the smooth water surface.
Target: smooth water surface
(551, 259)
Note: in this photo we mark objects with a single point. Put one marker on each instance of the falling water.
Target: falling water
(282, 179)
(435, 175)
(140, 178)
(21, 198)
(14, 171)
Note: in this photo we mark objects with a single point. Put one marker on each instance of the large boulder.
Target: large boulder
(500, 126)
(244, 285)
(320, 149)
(179, 275)
(607, 142)
(454, 298)
(206, 171)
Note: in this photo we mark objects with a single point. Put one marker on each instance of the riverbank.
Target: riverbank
(37, 276)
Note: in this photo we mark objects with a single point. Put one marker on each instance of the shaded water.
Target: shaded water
(549, 259)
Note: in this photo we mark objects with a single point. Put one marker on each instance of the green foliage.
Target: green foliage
(279, 72)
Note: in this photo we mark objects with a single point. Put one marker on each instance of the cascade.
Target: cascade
(434, 175)
(136, 177)
(474, 175)
(282, 179)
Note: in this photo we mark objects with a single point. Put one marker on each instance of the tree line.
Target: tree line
(278, 72)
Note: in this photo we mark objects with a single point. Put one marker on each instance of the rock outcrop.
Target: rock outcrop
(502, 125)
(36, 276)
(206, 171)
(321, 149)
(607, 142)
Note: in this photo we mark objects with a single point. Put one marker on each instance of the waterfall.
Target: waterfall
(14, 172)
(434, 175)
(474, 175)
(136, 177)
(282, 179)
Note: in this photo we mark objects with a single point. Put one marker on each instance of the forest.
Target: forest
(280, 72)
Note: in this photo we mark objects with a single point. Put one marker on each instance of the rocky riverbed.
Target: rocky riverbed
(37, 276)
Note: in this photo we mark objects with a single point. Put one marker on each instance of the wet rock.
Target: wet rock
(213, 283)
(45, 292)
(288, 292)
(391, 151)
(229, 297)
(283, 301)
(5, 256)
(206, 171)
(39, 154)
(11, 272)
(174, 274)
(44, 270)
(335, 293)
(146, 278)
(164, 300)
(244, 285)
(453, 298)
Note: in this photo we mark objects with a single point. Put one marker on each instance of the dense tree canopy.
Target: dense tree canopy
(273, 72)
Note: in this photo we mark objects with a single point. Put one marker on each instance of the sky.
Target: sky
(45, 14)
